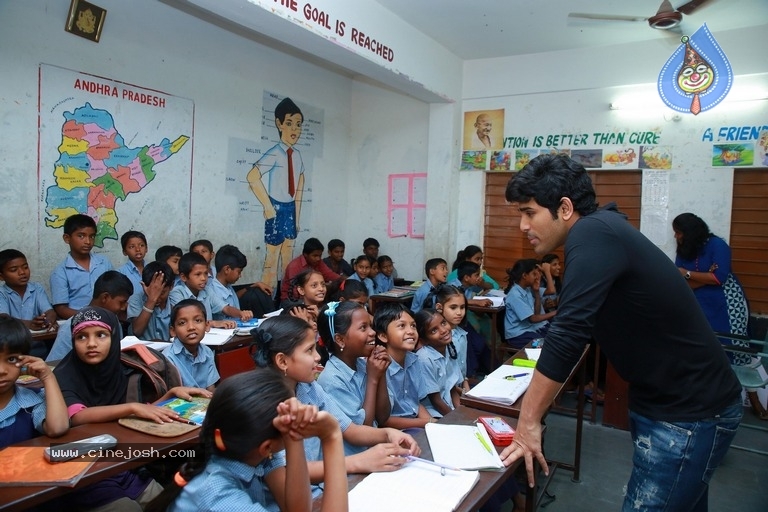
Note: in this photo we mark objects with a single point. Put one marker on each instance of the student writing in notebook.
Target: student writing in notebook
(286, 344)
(253, 453)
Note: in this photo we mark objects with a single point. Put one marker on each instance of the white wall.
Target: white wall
(151, 44)
(569, 92)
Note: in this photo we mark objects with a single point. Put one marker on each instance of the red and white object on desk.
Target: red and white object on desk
(500, 432)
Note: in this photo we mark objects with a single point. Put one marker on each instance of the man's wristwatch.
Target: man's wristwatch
(687, 275)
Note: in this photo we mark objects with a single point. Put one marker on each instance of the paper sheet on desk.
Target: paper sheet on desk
(129, 341)
(458, 446)
(416, 487)
(502, 386)
(533, 353)
(216, 336)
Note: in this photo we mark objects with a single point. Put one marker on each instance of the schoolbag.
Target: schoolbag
(150, 374)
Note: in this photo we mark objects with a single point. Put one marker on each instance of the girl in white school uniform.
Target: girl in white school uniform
(252, 453)
(355, 375)
(287, 344)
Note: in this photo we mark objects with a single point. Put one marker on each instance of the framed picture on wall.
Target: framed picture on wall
(85, 20)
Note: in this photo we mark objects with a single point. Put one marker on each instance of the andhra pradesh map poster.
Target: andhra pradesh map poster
(118, 152)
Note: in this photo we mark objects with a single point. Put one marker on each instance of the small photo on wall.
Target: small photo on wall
(762, 148)
(555, 151)
(733, 155)
(655, 157)
(472, 160)
(501, 160)
(483, 129)
(523, 156)
(620, 157)
(589, 158)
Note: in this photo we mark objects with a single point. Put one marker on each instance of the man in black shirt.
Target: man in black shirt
(625, 293)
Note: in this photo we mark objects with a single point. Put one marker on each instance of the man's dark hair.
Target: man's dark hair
(547, 179)
(334, 243)
(370, 241)
(312, 245)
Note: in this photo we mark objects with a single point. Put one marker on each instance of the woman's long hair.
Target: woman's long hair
(695, 234)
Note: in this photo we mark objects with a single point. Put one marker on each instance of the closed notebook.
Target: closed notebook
(505, 385)
(26, 465)
(416, 487)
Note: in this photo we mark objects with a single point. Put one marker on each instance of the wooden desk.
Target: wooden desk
(406, 298)
(514, 411)
(233, 356)
(21, 498)
(493, 312)
(489, 481)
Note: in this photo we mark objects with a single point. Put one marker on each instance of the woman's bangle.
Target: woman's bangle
(145, 308)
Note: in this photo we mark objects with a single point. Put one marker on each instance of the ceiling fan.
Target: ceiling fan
(666, 18)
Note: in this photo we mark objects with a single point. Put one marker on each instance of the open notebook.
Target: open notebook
(416, 487)
(462, 446)
(504, 385)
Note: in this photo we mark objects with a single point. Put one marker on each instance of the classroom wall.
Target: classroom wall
(154, 45)
(568, 92)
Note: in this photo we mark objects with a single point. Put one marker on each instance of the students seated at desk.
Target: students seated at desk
(149, 310)
(524, 319)
(436, 270)
(94, 387)
(230, 262)
(111, 292)
(471, 348)
(134, 245)
(396, 328)
(335, 259)
(307, 290)
(170, 254)
(470, 282)
(26, 413)
(384, 280)
(311, 257)
(551, 283)
(193, 269)
(442, 380)
(474, 254)
(72, 281)
(254, 459)
(21, 299)
(362, 269)
(355, 376)
(287, 344)
(194, 360)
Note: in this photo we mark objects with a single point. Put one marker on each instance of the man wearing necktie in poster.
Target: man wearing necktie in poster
(277, 181)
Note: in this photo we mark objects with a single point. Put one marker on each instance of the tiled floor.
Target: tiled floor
(738, 485)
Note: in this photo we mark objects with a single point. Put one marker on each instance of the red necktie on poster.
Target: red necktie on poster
(291, 186)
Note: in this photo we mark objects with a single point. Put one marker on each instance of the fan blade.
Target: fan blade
(665, 7)
(605, 17)
(693, 5)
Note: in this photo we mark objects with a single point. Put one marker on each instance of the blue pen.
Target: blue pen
(513, 377)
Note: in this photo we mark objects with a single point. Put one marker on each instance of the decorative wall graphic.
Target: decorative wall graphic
(697, 76)
(523, 156)
(732, 155)
(655, 157)
(471, 160)
(501, 160)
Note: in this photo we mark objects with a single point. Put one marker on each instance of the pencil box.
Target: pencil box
(500, 432)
